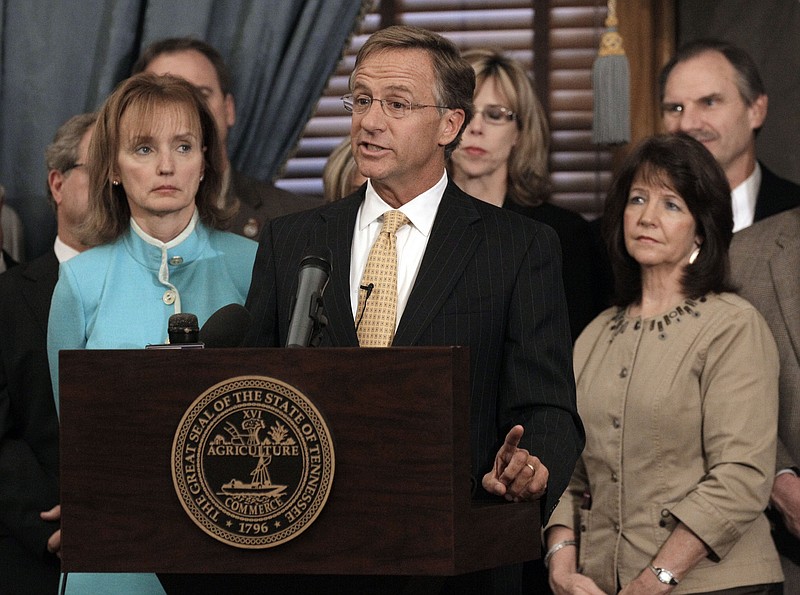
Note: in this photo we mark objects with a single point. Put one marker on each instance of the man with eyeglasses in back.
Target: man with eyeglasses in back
(29, 532)
(467, 273)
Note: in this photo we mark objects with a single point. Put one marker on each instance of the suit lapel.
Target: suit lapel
(785, 270)
(40, 276)
(337, 234)
(450, 248)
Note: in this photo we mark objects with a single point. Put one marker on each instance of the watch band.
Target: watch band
(663, 575)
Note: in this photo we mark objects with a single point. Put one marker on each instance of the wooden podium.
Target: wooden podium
(401, 499)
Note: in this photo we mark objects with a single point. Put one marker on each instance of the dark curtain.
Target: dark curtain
(58, 59)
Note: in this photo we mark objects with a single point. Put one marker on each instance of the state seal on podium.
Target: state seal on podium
(253, 462)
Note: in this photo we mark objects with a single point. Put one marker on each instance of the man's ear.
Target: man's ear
(757, 112)
(55, 180)
(451, 125)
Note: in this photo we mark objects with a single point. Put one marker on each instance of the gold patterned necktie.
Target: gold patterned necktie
(377, 307)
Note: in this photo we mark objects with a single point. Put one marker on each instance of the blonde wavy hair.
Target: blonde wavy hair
(528, 174)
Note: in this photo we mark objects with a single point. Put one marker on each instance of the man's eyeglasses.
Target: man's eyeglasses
(496, 114)
(394, 108)
(73, 166)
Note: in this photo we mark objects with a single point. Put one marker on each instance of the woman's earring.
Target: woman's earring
(115, 182)
(693, 256)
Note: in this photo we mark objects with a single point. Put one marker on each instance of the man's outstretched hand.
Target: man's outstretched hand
(516, 475)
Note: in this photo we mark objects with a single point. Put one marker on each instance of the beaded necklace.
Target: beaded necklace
(689, 307)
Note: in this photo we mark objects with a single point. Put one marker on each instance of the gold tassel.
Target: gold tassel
(611, 84)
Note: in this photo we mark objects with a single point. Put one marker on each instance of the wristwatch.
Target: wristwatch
(663, 575)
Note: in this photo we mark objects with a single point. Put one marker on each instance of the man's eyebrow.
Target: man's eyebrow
(391, 88)
(714, 95)
(402, 88)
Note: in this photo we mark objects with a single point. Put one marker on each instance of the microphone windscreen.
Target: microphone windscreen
(319, 257)
(226, 327)
(182, 328)
(315, 270)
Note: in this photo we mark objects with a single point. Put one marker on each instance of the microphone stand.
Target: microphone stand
(318, 318)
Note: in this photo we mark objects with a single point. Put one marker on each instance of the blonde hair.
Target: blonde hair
(339, 173)
(528, 174)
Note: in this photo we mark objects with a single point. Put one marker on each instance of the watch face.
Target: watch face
(665, 576)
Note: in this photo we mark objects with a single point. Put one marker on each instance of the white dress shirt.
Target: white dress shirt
(412, 239)
(63, 252)
(743, 200)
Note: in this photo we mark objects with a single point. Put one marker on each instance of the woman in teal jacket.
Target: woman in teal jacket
(155, 167)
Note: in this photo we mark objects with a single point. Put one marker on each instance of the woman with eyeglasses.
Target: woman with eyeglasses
(503, 158)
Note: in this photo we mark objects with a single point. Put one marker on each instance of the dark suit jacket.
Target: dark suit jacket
(491, 280)
(10, 262)
(258, 202)
(775, 195)
(28, 429)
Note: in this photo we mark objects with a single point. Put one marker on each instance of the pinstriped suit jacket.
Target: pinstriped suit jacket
(490, 279)
(765, 263)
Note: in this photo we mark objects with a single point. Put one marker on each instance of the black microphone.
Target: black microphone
(183, 328)
(368, 289)
(226, 327)
(183, 333)
(307, 318)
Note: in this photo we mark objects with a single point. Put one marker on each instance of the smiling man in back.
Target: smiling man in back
(712, 91)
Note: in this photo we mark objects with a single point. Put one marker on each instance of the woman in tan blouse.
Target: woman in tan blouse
(677, 388)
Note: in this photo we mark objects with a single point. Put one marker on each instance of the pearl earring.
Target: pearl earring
(693, 256)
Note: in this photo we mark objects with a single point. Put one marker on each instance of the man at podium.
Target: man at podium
(417, 262)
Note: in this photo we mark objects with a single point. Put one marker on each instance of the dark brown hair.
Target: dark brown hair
(748, 80)
(173, 45)
(688, 168)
